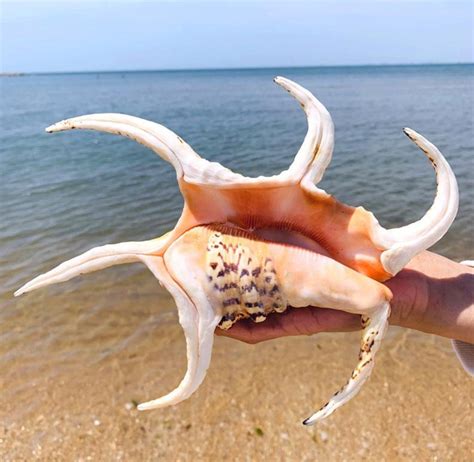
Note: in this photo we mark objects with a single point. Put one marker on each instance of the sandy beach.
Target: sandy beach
(77, 401)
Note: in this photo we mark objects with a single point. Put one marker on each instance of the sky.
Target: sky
(67, 36)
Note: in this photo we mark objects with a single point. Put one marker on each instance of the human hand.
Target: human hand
(432, 294)
(294, 321)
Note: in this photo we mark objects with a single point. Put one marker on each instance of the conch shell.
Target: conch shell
(245, 247)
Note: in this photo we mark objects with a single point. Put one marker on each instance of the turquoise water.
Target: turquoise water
(63, 193)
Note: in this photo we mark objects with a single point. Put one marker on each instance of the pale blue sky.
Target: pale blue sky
(54, 36)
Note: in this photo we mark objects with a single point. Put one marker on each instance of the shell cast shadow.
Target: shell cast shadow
(246, 247)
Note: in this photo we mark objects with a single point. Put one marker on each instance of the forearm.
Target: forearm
(435, 295)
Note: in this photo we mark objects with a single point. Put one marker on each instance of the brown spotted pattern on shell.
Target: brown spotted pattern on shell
(243, 283)
(295, 246)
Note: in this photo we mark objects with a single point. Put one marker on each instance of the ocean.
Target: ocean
(62, 194)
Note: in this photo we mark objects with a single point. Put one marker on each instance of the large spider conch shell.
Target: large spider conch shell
(246, 247)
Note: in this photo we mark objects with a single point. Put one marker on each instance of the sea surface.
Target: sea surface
(98, 343)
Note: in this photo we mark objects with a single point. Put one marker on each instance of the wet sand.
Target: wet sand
(77, 358)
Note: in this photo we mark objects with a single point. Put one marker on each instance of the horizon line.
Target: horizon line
(246, 68)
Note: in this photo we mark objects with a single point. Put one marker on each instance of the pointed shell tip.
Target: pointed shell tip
(410, 133)
(307, 422)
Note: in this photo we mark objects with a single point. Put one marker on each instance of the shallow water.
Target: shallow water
(77, 353)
